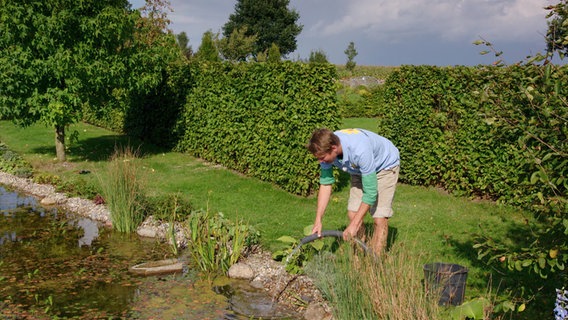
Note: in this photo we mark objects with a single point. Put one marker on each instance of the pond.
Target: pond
(58, 265)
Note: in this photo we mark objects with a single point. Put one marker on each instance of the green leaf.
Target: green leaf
(508, 306)
(527, 263)
(317, 244)
(541, 262)
(471, 310)
(308, 230)
(535, 177)
(287, 239)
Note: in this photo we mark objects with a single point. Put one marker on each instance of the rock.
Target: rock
(48, 201)
(317, 311)
(147, 232)
(241, 271)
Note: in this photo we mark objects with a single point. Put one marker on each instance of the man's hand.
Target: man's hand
(350, 232)
(317, 228)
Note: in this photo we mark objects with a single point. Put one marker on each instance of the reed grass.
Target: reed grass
(367, 287)
(123, 190)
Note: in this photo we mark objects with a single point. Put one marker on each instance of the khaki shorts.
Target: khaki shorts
(386, 186)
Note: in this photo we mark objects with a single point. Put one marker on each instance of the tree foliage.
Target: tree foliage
(208, 49)
(183, 43)
(271, 21)
(273, 54)
(238, 46)
(557, 34)
(59, 57)
(351, 53)
(56, 56)
(318, 56)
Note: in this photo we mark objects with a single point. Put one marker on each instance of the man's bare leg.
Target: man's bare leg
(379, 240)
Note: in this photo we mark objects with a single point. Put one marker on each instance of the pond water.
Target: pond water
(58, 265)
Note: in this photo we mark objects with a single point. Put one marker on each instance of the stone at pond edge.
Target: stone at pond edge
(48, 201)
(153, 228)
(241, 271)
(317, 311)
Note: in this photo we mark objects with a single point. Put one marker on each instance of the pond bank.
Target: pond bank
(295, 292)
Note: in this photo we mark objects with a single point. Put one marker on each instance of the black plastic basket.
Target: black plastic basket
(446, 279)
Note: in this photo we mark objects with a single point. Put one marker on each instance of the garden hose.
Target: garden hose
(326, 233)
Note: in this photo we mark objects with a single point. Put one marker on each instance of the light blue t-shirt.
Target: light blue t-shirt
(364, 153)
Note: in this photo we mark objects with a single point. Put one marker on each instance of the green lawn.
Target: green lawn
(428, 220)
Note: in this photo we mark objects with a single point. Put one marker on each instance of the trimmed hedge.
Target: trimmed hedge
(491, 132)
(256, 118)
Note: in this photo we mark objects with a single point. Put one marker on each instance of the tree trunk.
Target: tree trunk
(60, 143)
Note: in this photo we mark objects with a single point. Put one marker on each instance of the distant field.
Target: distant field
(380, 72)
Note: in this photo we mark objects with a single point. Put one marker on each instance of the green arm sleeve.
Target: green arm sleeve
(326, 176)
(369, 188)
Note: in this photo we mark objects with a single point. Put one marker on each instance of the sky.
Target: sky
(392, 32)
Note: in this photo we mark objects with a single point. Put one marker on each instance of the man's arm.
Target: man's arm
(324, 194)
(370, 187)
(355, 224)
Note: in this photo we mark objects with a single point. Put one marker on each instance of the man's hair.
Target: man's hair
(321, 141)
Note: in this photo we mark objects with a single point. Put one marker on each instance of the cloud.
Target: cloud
(393, 32)
(396, 21)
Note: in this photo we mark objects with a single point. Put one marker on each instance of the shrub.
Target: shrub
(13, 163)
(169, 207)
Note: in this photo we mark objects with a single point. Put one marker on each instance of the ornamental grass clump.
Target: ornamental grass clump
(367, 287)
(123, 190)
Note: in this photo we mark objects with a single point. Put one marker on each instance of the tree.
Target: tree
(318, 56)
(183, 43)
(351, 54)
(273, 54)
(57, 56)
(271, 21)
(238, 46)
(557, 33)
(208, 50)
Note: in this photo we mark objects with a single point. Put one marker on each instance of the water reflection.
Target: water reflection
(90, 231)
(57, 264)
(11, 200)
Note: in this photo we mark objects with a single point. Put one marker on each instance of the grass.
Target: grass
(362, 123)
(439, 224)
